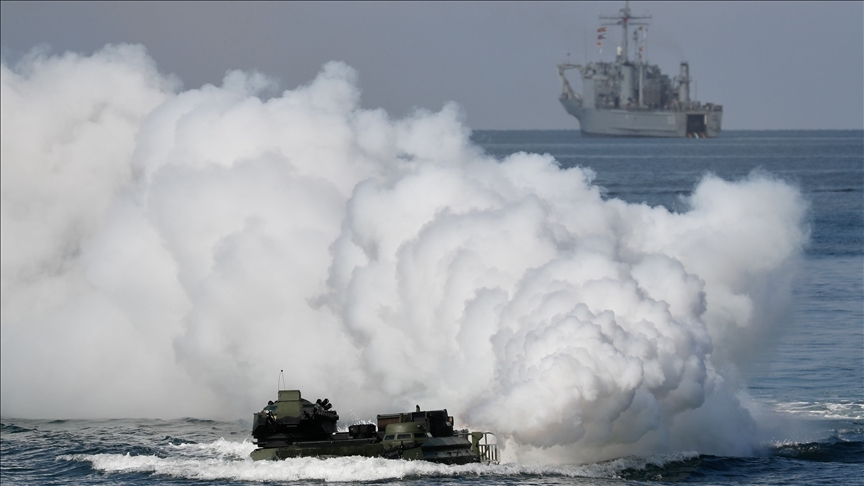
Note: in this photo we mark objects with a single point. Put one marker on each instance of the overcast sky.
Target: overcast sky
(773, 65)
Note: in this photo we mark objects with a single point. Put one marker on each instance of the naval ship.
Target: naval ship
(628, 98)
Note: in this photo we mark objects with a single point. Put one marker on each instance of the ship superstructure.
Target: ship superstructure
(634, 98)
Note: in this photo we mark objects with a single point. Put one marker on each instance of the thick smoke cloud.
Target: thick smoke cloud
(165, 253)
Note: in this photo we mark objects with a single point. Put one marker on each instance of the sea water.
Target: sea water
(811, 379)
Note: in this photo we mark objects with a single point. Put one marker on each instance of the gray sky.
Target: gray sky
(773, 65)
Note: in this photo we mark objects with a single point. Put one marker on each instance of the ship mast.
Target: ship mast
(625, 20)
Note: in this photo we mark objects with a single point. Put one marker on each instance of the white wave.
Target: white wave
(844, 409)
(340, 469)
(220, 448)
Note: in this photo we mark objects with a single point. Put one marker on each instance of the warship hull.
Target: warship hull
(644, 123)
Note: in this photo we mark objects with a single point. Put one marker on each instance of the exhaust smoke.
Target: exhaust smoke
(166, 252)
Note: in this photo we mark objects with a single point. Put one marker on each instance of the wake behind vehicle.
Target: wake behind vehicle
(295, 427)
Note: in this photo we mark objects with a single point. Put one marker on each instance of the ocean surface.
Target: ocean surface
(814, 375)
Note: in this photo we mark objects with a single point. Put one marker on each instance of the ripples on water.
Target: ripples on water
(192, 451)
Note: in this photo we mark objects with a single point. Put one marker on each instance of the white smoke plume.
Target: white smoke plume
(165, 253)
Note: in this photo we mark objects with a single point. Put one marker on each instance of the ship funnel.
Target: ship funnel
(684, 83)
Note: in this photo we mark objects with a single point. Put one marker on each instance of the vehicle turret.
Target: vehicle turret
(291, 418)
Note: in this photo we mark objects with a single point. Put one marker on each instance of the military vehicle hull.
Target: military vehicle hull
(326, 448)
(294, 427)
(443, 450)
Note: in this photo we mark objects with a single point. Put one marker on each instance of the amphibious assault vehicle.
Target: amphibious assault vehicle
(295, 427)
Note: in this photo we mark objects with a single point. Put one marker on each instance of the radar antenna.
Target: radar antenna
(625, 20)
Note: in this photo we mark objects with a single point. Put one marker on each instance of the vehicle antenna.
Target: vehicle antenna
(281, 382)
